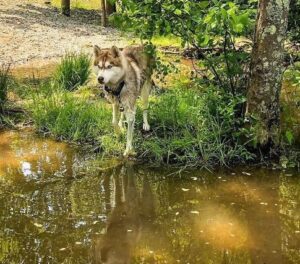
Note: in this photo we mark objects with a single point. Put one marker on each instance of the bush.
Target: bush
(73, 71)
(4, 79)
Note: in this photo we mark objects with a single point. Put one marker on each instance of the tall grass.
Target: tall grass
(68, 117)
(73, 70)
(188, 128)
(193, 129)
(4, 80)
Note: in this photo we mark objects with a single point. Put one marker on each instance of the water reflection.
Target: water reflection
(131, 214)
(24, 157)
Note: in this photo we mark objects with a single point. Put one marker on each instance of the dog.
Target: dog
(125, 75)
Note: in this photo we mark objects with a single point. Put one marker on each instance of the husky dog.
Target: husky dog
(125, 75)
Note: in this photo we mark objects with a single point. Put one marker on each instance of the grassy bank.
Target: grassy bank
(192, 124)
(184, 130)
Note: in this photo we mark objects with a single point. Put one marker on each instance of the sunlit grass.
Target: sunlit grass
(166, 41)
(84, 4)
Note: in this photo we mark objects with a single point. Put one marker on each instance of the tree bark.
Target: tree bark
(103, 15)
(266, 70)
(65, 7)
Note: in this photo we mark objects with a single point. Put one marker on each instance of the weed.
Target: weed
(73, 71)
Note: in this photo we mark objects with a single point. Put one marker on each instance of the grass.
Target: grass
(186, 131)
(4, 80)
(73, 71)
(84, 4)
(68, 117)
(192, 124)
(166, 41)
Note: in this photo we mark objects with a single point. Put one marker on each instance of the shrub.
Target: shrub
(73, 71)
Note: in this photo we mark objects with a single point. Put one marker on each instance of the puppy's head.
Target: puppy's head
(108, 65)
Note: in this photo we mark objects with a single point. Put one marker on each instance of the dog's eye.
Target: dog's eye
(109, 66)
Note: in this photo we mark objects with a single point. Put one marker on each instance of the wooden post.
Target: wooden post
(103, 15)
(65, 7)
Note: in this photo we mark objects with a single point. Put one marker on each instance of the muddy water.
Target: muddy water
(59, 206)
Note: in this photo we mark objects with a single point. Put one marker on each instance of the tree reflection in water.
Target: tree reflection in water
(73, 212)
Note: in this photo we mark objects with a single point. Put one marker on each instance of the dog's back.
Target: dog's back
(139, 55)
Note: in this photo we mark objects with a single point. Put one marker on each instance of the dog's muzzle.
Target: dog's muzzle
(101, 80)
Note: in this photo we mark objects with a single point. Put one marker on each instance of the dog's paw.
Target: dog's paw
(146, 127)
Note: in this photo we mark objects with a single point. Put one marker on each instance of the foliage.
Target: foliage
(4, 80)
(212, 25)
(73, 70)
(294, 20)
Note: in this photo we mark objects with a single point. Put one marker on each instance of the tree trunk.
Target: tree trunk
(266, 70)
(110, 8)
(103, 15)
(65, 7)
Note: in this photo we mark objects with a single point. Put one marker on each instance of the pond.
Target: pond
(61, 205)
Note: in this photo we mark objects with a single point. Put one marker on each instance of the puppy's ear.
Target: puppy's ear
(97, 51)
(115, 51)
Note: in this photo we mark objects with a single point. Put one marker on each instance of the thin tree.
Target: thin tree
(266, 71)
(65, 7)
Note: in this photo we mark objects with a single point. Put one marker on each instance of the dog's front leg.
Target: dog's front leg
(115, 114)
(130, 118)
(121, 121)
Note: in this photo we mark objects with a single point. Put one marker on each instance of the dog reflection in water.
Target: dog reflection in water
(132, 209)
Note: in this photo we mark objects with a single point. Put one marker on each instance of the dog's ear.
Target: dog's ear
(115, 51)
(97, 50)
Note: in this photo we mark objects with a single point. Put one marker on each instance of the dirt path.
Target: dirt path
(36, 33)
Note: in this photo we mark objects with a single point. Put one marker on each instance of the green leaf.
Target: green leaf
(177, 12)
(289, 136)
(204, 4)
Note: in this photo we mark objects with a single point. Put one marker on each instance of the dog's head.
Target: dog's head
(108, 65)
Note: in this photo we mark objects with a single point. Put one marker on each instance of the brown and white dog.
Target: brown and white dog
(125, 75)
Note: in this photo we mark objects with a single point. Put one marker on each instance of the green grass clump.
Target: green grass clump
(74, 70)
(4, 80)
(194, 128)
(68, 117)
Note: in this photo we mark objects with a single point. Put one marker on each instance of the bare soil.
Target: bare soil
(34, 33)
